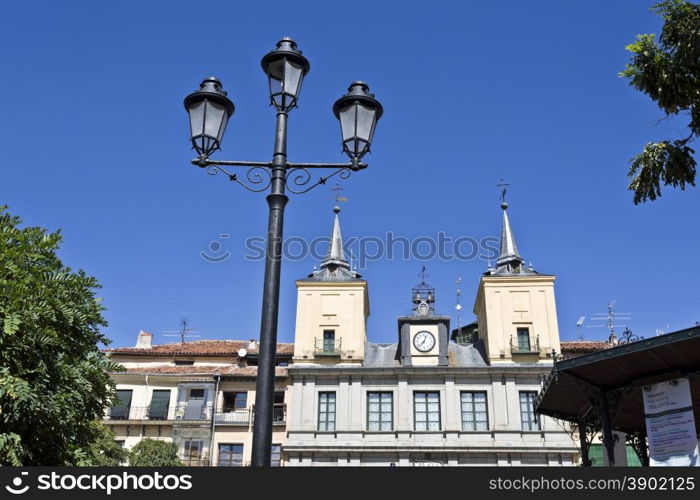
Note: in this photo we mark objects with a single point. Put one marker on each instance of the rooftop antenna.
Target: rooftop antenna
(611, 318)
(184, 331)
(503, 184)
(661, 331)
(578, 327)
(458, 306)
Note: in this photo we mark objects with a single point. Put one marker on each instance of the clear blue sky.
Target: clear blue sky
(95, 141)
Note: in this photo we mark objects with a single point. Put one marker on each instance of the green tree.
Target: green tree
(669, 73)
(153, 453)
(104, 451)
(54, 381)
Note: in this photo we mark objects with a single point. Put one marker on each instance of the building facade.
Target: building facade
(424, 400)
(198, 394)
(343, 400)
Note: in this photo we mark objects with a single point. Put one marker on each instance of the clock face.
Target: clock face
(424, 341)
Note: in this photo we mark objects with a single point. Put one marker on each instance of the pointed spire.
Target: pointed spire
(334, 267)
(509, 260)
(509, 250)
(335, 256)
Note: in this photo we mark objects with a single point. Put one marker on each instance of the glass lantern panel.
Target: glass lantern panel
(196, 112)
(213, 119)
(365, 120)
(292, 78)
(347, 122)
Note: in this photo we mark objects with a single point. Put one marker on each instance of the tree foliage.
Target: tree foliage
(103, 452)
(669, 73)
(54, 381)
(153, 453)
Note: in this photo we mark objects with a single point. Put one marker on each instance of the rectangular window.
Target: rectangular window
(235, 401)
(184, 362)
(380, 411)
(196, 394)
(523, 339)
(160, 401)
(528, 418)
(474, 414)
(328, 341)
(276, 456)
(426, 411)
(192, 452)
(278, 415)
(231, 455)
(326, 411)
(120, 411)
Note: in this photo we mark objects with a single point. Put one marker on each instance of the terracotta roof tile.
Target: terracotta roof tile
(198, 348)
(246, 371)
(581, 347)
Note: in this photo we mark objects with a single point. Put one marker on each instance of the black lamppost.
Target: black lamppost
(210, 109)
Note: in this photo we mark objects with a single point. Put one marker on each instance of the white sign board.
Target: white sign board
(670, 424)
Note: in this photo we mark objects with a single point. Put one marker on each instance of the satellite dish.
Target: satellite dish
(242, 352)
(458, 307)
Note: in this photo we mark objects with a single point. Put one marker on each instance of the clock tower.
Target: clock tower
(423, 337)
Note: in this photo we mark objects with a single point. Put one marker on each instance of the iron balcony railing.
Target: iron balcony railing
(140, 413)
(194, 462)
(246, 416)
(181, 411)
(532, 346)
(240, 416)
(327, 347)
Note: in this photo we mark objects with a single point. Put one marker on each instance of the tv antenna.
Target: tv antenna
(578, 327)
(458, 306)
(184, 332)
(611, 319)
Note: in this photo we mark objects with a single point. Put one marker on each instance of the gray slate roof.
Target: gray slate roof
(384, 356)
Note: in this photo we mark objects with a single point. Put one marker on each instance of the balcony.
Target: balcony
(531, 347)
(140, 413)
(240, 416)
(327, 347)
(246, 416)
(194, 461)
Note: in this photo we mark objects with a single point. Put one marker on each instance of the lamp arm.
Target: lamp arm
(259, 175)
(206, 162)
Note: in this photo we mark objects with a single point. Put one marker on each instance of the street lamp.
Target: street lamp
(209, 110)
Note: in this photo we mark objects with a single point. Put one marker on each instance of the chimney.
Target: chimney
(252, 344)
(144, 340)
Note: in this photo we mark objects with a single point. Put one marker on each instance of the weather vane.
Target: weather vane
(504, 185)
(337, 196)
(422, 275)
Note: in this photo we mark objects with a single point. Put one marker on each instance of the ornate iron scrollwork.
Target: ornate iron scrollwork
(297, 178)
(628, 337)
(258, 180)
(583, 433)
(638, 442)
(300, 176)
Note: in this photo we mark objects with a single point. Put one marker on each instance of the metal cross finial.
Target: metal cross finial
(504, 185)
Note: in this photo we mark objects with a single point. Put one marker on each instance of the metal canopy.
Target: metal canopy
(605, 388)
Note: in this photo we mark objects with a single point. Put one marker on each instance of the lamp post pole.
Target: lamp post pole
(209, 109)
(265, 382)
